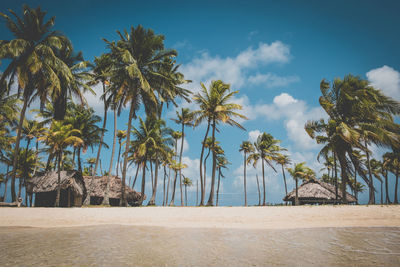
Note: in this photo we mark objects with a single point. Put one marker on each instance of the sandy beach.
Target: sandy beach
(285, 217)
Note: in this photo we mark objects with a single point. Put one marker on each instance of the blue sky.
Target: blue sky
(274, 52)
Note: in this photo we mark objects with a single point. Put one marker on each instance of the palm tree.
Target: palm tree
(376, 168)
(246, 147)
(266, 149)
(176, 166)
(120, 135)
(359, 115)
(298, 172)
(186, 182)
(284, 161)
(33, 60)
(386, 162)
(215, 108)
(176, 135)
(185, 118)
(222, 162)
(59, 137)
(137, 58)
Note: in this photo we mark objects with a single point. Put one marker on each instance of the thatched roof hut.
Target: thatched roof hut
(99, 189)
(317, 192)
(45, 187)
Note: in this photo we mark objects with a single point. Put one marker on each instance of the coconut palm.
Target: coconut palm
(299, 171)
(137, 58)
(246, 147)
(184, 118)
(376, 168)
(215, 108)
(222, 162)
(121, 135)
(58, 138)
(284, 161)
(266, 149)
(33, 61)
(386, 164)
(176, 167)
(186, 182)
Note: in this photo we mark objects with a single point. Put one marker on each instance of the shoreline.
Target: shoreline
(283, 217)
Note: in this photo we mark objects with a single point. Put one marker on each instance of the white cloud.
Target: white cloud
(94, 101)
(233, 69)
(253, 135)
(387, 79)
(284, 99)
(272, 80)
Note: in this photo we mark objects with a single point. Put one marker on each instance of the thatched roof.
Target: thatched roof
(99, 188)
(317, 190)
(49, 180)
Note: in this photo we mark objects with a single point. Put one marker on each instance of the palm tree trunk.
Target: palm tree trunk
(219, 179)
(343, 173)
(5, 185)
(259, 192)
(355, 184)
(143, 184)
(151, 174)
(16, 149)
(128, 140)
(197, 191)
(262, 164)
(36, 157)
(387, 188)
(244, 180)
(211, 198)
(153, 197)
(106, 199)
(94, 171)
(202, 183)
(136, 175)
(169, 179)
(180, 161)
(371, 180)
(396, 186)
(186, 202)
(79, 160)
(296, 199)
(336, 178)
(22, 180)
(284, 180)
(165, 174)
(59, 180)
(205, 170)
(381, 192)
(173, 189)
(73, 158)
(119, 154)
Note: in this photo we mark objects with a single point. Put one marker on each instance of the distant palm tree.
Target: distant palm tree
(246, 147)
(186, 182)
(58, 137)
(284, 161)
(298, 172)
(222, 162)
(266, 149)
(215, 108)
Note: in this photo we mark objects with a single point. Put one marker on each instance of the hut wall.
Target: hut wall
(45, 199)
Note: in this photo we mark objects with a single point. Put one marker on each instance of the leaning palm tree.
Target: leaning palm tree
(34, 62)
(266, 149)
(215, 107)
(137, 58)
(284, 161)
(184, 118)
(186, 182)
(58, 138)
(246, 147)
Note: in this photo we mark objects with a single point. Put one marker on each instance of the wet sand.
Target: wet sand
(283, 217)
(117, 245)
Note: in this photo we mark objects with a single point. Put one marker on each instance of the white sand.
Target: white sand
(207, 217)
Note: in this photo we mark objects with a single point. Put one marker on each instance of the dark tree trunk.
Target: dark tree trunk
(296, 199)
(128, 140)
(142, 191)
(153, 197)
(79, 160)
(5, 184)
(173, 189)
(336, 177)
(180, 161)
(16, 149)
(284, 180)
(244, 180)
(343, 172)
(106, 200)
(205, 170)
(165, 174)
(387, 188)
(197, 192)
(202, 182)
(355, 184)
(36, 157)
(262, 164)
(59, 179)
(214, 158)
(396, 201)
(169, 179)
(219, 179)
(186, 202)
(119, 155)
(381, 192)
(371, 180)
(136, 175)
(259, 192)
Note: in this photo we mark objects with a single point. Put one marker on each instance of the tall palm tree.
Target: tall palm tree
(284, 161)
(266, 149)
(215, 107)
(137, 58)
(186, 182)
(33, 61)
(176, 167)
(246, 147)
(58, 138)
(184, 118)
(386, 161)
(121, 135)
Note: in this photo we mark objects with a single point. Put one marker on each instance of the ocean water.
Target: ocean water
(116, 245)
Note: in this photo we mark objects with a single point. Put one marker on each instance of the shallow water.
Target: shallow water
(116, 245)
